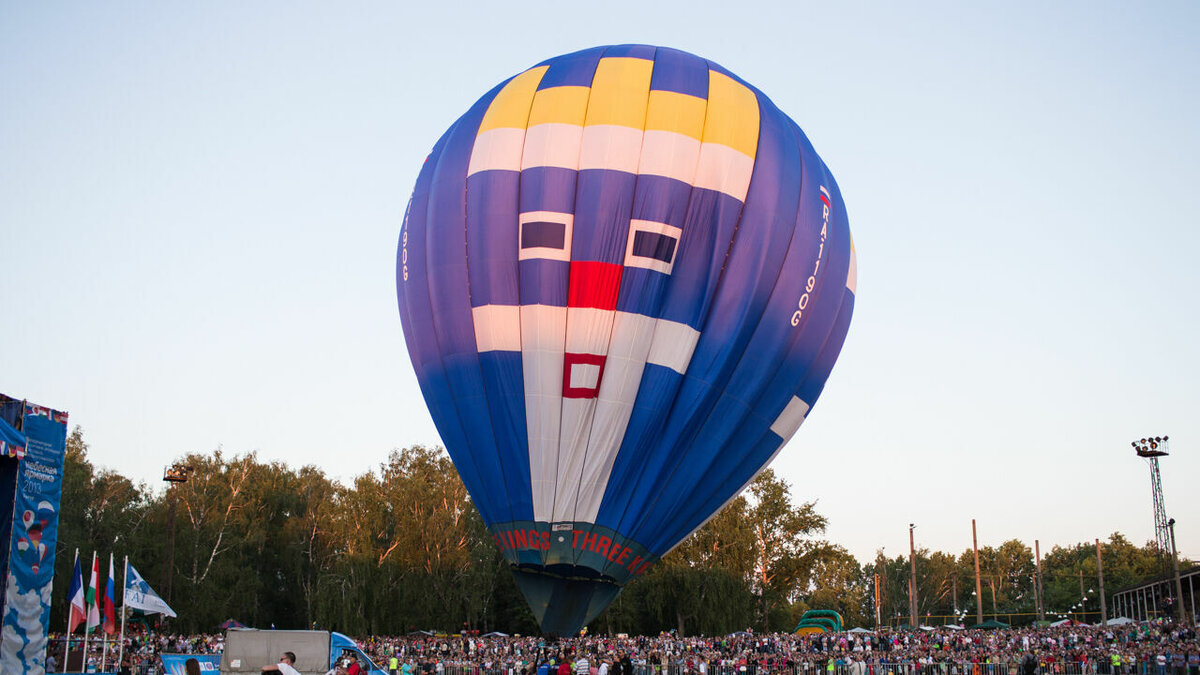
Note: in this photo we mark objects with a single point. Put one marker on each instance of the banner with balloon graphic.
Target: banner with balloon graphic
(34, 500)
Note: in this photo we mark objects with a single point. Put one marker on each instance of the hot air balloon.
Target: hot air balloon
(624, 276)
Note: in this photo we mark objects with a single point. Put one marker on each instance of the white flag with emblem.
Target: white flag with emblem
(138, 594)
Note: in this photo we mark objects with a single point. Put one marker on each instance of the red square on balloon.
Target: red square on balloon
(594, 284)
(582, 374)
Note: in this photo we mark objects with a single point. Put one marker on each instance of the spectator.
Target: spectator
(286, 665)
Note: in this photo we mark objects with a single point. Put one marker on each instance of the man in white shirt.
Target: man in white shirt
(286, 665)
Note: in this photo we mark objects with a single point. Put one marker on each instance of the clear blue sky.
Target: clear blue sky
(200, 202)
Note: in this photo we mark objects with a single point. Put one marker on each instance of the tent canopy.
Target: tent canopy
(991, 624)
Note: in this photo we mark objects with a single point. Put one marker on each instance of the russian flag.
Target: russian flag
(110, 614)
(78, 614)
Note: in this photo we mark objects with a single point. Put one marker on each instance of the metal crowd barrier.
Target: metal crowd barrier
(888, 668)
(871, 668)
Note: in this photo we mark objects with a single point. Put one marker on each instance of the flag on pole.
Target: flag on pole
(110, 612)
(77, 614)
(124, 613)
(93, 609)
(138, 595)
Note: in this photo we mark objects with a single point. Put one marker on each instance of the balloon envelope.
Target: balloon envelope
(624, 276)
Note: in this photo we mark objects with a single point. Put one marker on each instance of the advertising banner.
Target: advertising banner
(8, 496)
(176, 664)
(31, 544)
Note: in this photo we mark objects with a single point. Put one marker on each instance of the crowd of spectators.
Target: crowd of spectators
(1160, 648)
(1150, 649)
(140, 655)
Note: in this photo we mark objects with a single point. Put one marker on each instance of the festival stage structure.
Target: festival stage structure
(31, 465)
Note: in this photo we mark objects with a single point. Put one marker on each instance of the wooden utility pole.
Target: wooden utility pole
(1037, 591)
(877, 594)
(1180, 616)
(978, 587)
(1100, 572)
(912, 583)
(954, 586)
(992, 583)
(1082, 597)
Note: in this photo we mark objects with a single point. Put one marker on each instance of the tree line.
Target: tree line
(402, 548)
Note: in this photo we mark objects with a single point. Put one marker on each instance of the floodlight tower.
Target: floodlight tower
(172, 476)
(1151, 449)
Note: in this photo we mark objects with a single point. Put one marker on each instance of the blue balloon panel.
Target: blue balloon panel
(624, 277)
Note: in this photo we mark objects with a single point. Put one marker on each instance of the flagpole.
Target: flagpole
(124, 585)
(103, 637)
(87, 623)
(108, 602)
(67, 638)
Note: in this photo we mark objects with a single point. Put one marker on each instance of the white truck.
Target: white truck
(247, 650)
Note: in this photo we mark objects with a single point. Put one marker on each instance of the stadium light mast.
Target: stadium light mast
(1150, 449)
(172, 475)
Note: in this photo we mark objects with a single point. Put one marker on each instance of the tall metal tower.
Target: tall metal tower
(1151, 449)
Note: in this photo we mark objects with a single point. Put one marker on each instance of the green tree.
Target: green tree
(100, 511)
(1007, 577)
(1071, 579)
(403, 547)
(701, 585)
(784, 548)
(839, 583)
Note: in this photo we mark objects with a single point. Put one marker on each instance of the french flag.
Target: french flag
(78, 613)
